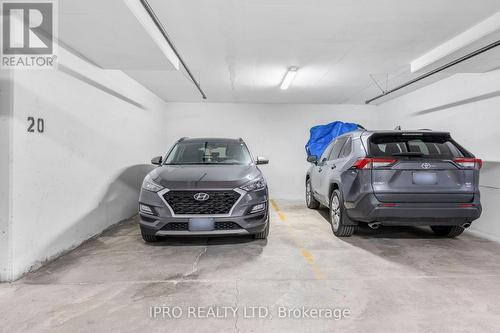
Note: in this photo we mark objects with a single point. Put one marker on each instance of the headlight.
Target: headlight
(149, 185)
(254, 185)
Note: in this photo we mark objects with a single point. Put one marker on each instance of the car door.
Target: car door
(317, 171)
(332, 167)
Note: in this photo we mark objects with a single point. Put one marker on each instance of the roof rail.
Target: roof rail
(183, 138)
(424, 129)
(397, 128)
(240, 139)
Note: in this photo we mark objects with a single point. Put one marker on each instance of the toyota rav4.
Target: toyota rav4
(421, 178)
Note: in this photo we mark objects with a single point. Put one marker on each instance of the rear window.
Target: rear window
(429, 146)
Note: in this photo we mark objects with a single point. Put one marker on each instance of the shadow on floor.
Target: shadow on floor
(120, 251)
(419, 249)
(207, 241)
(364, 231)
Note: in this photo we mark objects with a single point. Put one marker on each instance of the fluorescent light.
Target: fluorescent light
(144, 18)
(288, 79)
(474, 35)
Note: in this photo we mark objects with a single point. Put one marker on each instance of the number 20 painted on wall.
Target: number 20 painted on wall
(40, 125)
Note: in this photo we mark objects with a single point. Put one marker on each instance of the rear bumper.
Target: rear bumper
(369, 209)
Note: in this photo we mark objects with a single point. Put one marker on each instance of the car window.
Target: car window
(327, 151)
(347, 149)
(337, 147)
(438, 147)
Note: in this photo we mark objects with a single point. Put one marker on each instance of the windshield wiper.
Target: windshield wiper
(410, 153)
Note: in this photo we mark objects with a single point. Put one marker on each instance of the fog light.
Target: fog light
(146, 209)
(258, 208)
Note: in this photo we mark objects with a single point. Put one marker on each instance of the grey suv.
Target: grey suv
(205, 187)
(419, 178)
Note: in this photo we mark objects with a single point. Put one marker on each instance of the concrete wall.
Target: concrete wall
(278, 132)
(5, 167)
(468, 106)
(83, 173)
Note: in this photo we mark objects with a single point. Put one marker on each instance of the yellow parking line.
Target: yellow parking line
(275, 205)
(310, 260)
(308, 257)
(281, 216)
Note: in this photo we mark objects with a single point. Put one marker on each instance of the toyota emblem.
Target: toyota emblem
(426, 165)
(201, 196)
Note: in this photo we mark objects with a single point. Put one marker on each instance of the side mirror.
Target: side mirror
(156, 160)
(261, 160)
(312, 159)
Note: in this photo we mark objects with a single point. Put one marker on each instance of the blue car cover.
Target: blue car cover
(322, 135)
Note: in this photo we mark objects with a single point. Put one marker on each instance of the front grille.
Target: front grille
(219, 202)
(226, 226)
(176, 226)
(183, 226)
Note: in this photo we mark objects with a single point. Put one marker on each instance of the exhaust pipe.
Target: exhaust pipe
(466, 225)
(374, 225)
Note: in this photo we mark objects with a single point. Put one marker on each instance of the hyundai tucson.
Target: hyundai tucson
(205, 187)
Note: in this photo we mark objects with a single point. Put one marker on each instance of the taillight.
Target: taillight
(362, 163)
(373, 163)
(469, 163)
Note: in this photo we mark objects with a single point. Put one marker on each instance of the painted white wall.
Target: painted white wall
(468, 106)
(276, 131)
(5, 167)
(84, 172)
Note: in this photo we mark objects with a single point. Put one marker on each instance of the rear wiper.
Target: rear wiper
(410, 153)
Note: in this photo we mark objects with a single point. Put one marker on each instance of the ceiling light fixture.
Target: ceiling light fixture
(288, 79)
(148, 19)
(140, 12)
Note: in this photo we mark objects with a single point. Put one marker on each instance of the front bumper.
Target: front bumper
(239, 222)
(369, 209)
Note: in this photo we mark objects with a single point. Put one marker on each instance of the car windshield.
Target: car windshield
(209, 152)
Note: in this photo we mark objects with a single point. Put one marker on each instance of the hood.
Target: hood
(184, 177)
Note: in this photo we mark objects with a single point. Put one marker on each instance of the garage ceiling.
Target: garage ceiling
(240, 49)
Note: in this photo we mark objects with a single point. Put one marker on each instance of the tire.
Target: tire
(338, 216)
(149, 238)
(264, 233)
(448, 231)
(311, 203)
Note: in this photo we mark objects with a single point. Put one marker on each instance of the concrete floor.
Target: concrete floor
(391, 280)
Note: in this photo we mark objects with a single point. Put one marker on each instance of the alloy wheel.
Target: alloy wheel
(308, 193)
(335, 213)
